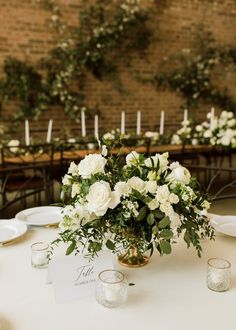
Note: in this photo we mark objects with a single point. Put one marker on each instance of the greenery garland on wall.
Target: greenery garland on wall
(193, 76)
(105, 29)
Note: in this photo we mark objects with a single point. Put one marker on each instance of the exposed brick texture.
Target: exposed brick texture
(25, 34)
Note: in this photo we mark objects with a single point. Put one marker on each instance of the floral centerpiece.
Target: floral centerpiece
(132, 204)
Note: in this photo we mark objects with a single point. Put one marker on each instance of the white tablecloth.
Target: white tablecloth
(170, 293)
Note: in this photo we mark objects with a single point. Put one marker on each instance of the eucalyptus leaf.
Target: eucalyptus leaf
(165, 247)
(142, 213)
(150, 219)
(165, 222)
(71, 248)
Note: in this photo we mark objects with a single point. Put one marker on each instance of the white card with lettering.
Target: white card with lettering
(74, 277)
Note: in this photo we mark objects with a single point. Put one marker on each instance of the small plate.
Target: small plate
(40, 216)
(227, 229)
(11, 230)
(225, 224)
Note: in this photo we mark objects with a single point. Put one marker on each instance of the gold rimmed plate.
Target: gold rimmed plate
(11, 230)
(46, 216)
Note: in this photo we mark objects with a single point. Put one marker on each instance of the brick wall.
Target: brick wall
(25, 34)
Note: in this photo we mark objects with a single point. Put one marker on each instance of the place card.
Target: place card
(74, 277)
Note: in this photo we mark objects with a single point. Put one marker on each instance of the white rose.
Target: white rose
(14, 144)
(122, 188)
(180, 174)
(137, 184)
(166, 208)
(194, 142)
(132, 158)
(151, 187)
(75, 189)
(100, 198)
(73, 169)
(71, 140)
(174, 165)
(162, 194)
(161, 159)
(232, 122)
(91, 164)
(66, 180)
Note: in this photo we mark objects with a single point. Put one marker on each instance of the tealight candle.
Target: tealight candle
(218, 274)
(111, 288)
(39, 255)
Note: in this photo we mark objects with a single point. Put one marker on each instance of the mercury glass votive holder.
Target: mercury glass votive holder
(39, 255)
(218, 274)
(111, 288)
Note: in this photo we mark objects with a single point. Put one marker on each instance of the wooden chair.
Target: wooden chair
(29, 188)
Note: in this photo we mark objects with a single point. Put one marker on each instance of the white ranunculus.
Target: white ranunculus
(71, 140)
(122, 188)
(108, 136)
(176, 139)
(225, 140)
(207, 133)
(137, 184)
(66, 180)
(14, 144)
(173, 198)
(100, 198)
(199, 128)
(151, 186)
(180, 174)
(73, 169)
(75, 189)
(194, 142)
(231, 122)
(132, 158)
(91, 164)
(153, 204)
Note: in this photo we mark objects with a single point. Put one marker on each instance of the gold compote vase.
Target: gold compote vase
(133, 257)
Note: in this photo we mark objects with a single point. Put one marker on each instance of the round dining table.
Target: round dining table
(170, 293)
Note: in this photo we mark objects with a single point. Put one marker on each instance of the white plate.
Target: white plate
(225, 224)
(11, 229)
(40, 216)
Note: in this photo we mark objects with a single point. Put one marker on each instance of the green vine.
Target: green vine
(193, 76)
(105, 34)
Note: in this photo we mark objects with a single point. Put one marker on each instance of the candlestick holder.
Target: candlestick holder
(111, 288)
(218, 274)
(39, 255)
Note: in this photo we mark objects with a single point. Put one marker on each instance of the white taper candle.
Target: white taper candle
(49, 133)
(83, 126)
(138, 126)
(212, 121)
(27, 133)
(122, 127)
(185, 114)
(162, 120)
(96, 127)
